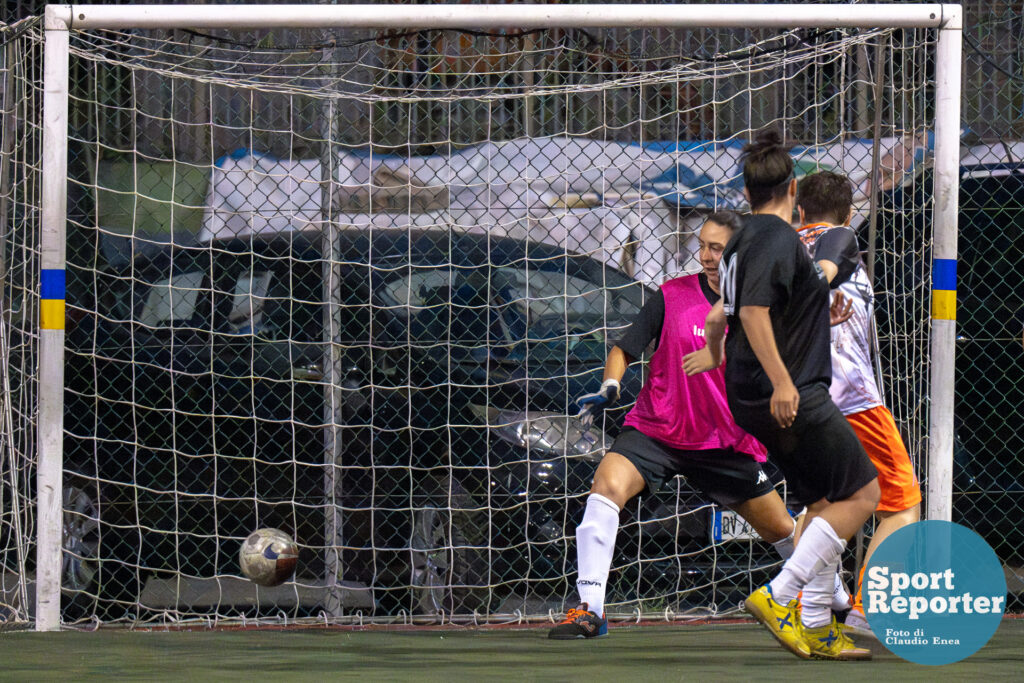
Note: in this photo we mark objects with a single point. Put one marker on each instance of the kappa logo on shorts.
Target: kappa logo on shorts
(761, 476)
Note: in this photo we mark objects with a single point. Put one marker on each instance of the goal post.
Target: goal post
(437, 512)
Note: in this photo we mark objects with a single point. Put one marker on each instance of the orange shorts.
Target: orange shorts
(881, 439)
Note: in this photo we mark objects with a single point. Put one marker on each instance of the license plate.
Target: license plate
(726, 525)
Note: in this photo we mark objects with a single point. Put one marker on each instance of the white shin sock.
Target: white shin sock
(784, 547)
(816, 602)
(819, 547)
(595, 543)
(840, 596)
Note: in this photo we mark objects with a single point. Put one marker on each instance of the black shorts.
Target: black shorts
(724, 476)
(819, 454)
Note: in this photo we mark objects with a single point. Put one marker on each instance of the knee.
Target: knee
(902, 518)
(776, 531)
(782, 527)
(603, 487)
(774, 527)
(612, 489)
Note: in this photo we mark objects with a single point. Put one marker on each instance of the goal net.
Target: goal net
(348, 284)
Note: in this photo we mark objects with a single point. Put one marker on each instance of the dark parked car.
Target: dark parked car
(989, 466)
(400, 401)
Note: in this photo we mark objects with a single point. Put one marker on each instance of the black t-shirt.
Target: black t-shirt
(766, 264)
(646, 327)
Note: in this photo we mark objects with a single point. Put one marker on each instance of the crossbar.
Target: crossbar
(499, 16)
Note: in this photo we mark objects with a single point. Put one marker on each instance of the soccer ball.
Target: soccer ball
(268, 557)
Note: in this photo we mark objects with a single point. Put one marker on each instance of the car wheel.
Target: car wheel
(91, 587)
(80, 542)
(80, 564)
(449, 570)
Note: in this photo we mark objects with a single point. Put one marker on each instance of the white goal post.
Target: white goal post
(61, 19)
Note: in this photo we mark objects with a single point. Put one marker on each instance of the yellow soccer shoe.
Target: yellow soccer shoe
(783, 622)
(829, 642)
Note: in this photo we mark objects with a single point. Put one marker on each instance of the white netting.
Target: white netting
(19, 318)
(348, 285)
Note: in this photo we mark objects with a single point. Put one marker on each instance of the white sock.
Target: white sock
(819, 546)
(784, 547)
(595, 542)
(816, 601)
(840, 596)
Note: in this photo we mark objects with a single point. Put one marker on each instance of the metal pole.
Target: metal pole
(876, 134)
(49, 468)
(493, 16)
(332, 361)
(939, 502)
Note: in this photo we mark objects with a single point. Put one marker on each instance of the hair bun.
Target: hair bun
(768, 138)
(767, 168)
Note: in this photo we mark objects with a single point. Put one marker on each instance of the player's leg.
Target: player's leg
(827, 529)
(820, 628)
(771, 520)
(811, 574)
(841, 598)
(769, 517)
(616, 481)
(824, 462)
(900, 502)
(889, 522)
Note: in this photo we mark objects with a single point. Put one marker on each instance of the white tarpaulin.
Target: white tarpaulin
(1002, 152)
(709, 175)
(636, 207)
(577, 193)
(253, 193)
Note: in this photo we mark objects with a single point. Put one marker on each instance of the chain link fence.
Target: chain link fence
(349, 284)
(989, 489)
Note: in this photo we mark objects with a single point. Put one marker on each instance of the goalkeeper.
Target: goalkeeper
(824, 202)
(679, 425)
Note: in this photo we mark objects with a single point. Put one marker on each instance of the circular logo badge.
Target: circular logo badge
(934, 592)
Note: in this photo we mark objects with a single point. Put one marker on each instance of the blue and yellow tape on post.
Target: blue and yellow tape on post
(944, 289)
(51, 295)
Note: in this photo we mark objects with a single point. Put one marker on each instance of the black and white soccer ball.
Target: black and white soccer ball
(268, 557)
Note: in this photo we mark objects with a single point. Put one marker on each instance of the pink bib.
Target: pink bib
(689, 413)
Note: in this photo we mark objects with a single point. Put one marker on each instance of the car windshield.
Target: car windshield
(556, 308)
(553, 313)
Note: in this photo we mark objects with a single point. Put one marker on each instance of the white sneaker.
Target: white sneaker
(857, 625)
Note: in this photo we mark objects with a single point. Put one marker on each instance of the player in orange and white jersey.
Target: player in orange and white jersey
(824, 202)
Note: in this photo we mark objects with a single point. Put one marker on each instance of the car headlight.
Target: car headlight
(550, 434)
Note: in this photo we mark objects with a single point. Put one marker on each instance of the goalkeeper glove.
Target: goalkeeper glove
(592, 404)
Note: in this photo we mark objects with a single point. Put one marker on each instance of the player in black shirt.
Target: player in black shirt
(775, 301)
